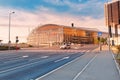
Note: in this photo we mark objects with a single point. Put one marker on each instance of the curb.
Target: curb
(117, 65)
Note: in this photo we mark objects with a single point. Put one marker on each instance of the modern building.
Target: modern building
(112, 16)
(52, 34)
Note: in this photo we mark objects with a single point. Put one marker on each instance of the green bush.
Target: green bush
(118, 47)
(118, 55)
(3, 47)
(30, 46)
(6, 48)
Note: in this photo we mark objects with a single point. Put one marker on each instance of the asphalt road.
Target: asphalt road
(31, 65)
(95, 65)
(82, 64)
(71, 69)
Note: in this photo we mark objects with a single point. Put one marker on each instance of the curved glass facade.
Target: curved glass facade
(56, 34)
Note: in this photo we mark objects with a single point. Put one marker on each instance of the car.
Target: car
(65, 46)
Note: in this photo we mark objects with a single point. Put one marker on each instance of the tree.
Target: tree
(103, 40)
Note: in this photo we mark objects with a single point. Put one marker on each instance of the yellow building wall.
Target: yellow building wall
(74, 31)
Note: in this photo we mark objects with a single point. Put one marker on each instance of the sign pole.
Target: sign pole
(99, 39)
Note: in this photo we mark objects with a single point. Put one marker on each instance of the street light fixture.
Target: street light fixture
(9, 29)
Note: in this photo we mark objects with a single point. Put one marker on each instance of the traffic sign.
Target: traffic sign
(17, 39)
(99, 33)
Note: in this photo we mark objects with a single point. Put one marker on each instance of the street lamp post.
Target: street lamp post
(109, 27)
(9, 29)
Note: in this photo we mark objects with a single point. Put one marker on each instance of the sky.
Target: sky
(30, 14)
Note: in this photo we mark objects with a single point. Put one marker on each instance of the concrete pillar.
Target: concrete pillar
(110, 31)
(116, 31)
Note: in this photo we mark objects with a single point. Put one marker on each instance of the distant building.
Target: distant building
(52, 34)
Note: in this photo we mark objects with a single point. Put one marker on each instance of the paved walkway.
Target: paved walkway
(100, 66)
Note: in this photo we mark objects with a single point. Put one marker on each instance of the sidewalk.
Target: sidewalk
(102, 67)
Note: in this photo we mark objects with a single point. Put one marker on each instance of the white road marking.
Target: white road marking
(44, 56)
(39, 58)
(18, 67)
(25, 56)
(84, 68)
(57, 69)
(34, 59)
(10, 61)
(62, 59)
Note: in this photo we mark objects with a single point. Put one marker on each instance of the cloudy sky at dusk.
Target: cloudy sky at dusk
(31, 13)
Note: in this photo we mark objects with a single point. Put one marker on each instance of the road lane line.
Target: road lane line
(25, 56)
(22, 57)
(39, 58)
(44, 56)
(62, 59)
(58, 68)
(34, 59)
(18, 67)
(11, 61)
(15, 59)
(85, 68)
